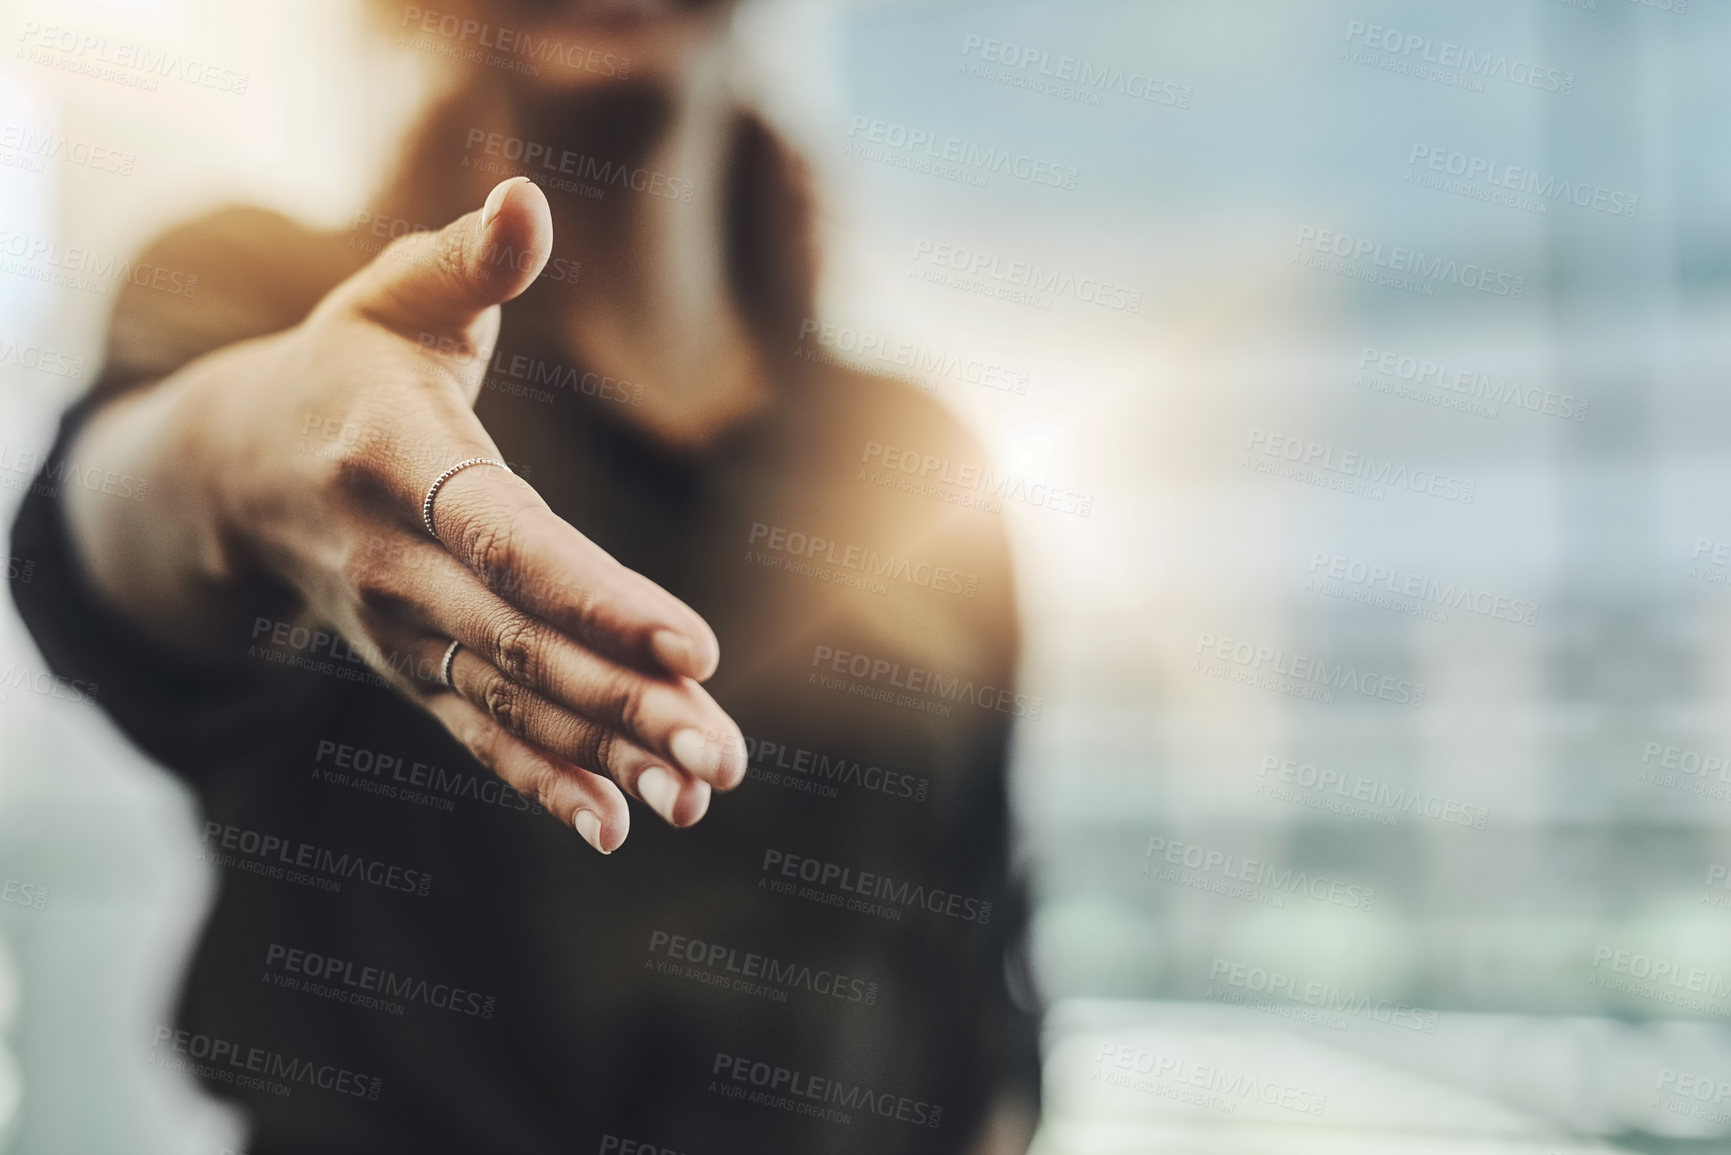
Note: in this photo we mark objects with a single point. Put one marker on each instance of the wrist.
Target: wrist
(221, 452)
(162, 553)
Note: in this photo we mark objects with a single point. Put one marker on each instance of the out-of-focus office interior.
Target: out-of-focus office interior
(1358, 375)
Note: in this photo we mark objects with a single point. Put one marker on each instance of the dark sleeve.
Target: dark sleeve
(978, 1016)
(239, 274)
(975, 845)
(196, 719)
(990, 981)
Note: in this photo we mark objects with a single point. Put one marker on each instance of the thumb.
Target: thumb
(444, 282)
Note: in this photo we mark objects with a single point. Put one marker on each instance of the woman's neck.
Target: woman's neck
(654, 304)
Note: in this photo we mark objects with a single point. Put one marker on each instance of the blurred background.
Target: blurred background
(1382, 795)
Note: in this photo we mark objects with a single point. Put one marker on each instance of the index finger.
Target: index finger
(499, 527)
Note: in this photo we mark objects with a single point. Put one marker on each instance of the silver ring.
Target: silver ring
(433, 489)
(445, 666)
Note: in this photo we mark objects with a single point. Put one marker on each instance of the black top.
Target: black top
(405, 957)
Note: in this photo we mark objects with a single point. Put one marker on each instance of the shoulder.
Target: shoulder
(884, 424)
(228, 276)
(908, 505)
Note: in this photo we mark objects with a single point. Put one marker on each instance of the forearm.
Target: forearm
(160, 557)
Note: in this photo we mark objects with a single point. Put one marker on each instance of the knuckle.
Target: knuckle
(577, 740)
(517, 648)
(490, 545)
(450, 256)
(503, 700)
(443, 253)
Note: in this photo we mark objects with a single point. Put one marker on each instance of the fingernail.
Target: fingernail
(589, 827)
(659, 791)
(700, 757)
(672, 651)
(496, 200)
